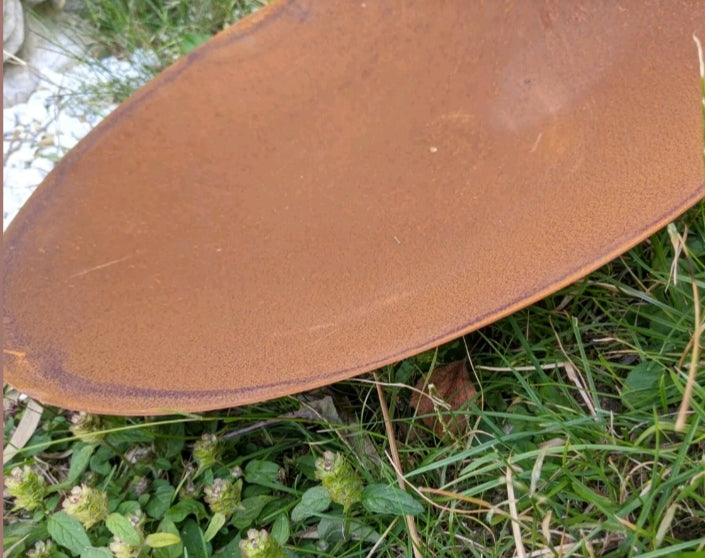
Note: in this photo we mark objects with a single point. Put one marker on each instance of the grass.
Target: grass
(168, 28)
(573, 446)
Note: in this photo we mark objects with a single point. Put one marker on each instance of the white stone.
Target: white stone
(8, 122)
(12, 28)
(35, 110)
(70, 126)
(42, 96)
(24, 180)
(24, 119)
(43, 164)
(51, 43)
(65, 142)
(21, 157)
(21, 182)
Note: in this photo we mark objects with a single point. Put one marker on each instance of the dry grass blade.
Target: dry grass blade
(410, 523)
(24, 431)
(696, 340)
(513, 512)
(699, 325)
(8, 551)
(483, 506)
(575, 377)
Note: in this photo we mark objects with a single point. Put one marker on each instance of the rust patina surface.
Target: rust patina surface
(330, 186)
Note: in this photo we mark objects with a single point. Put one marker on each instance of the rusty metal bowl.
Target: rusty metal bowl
(330, 186)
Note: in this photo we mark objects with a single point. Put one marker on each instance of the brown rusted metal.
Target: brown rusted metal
(330, 186)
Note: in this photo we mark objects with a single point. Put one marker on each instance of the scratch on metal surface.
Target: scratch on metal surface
(97, 267)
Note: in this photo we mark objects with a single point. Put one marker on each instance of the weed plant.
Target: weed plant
(580, 441)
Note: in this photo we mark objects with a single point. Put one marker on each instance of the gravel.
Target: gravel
(58, 114)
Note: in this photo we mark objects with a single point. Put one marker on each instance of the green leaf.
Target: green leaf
(52, 502)
(336, 529)
(250, 508)
(39, 442)
(191, 41)
(389, 500)
(641, 387)
(549, 394)
(314, 501)
(280, 529)
(264, 473)
(143, 499)
(130, 436)
(194, 542)
(162, 464)
(22, 533)
(68, 532)
(128, 507)
(161, 539)
(172, 551)
(232, 549)
(162, 494)
(171, 441)
(80, 459)
(100, 460)
(215, 524)
(93, 552)
(307, 465)
(123, 529)
(181, 510)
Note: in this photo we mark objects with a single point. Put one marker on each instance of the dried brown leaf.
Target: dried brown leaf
(446, 391)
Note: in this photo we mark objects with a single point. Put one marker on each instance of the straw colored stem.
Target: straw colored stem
(410, 523)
